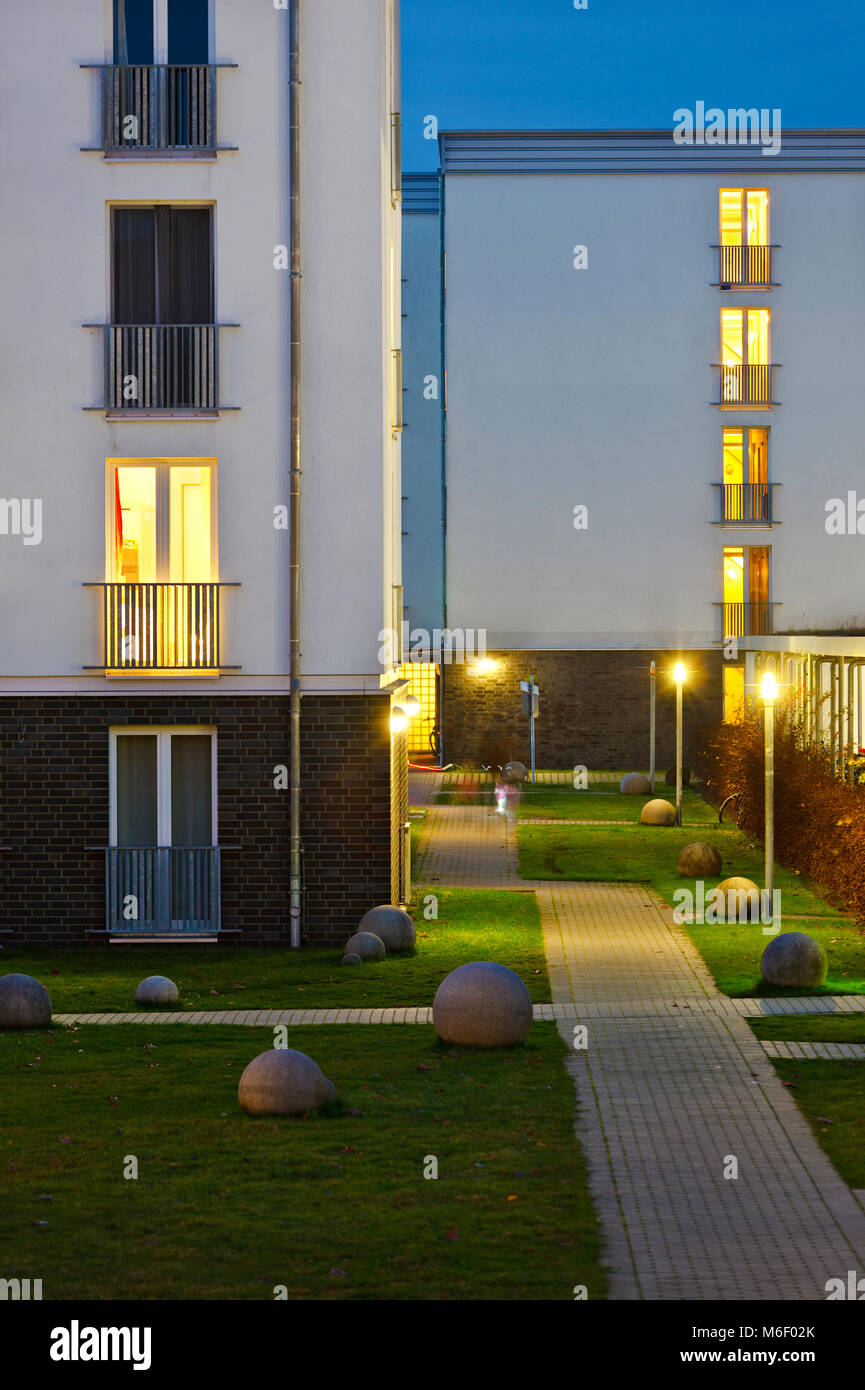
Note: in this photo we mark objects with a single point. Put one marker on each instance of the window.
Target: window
(745, 252)
(745, 361)
(162, 265)
(178, 28)
(161, 522)
(747, 609)
(745, 492)
(734, 694)
(163, 784)
(744, 216)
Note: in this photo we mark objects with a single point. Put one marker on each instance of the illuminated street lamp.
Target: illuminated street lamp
(770, 694)
(679, 678)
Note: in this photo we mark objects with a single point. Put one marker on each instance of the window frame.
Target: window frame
(162, 465)
(164, 734)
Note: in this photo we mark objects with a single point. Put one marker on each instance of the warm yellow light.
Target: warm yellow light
(485, 666)
(732, 573)
(398, 719)
(770, 686)
(678, 673)
(412, 705)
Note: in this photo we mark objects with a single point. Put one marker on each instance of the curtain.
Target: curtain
(136, 789)
(191, 808)
(134, 266)
(133, 32)
(190, 288)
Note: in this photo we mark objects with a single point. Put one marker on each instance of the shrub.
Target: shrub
(819, 819)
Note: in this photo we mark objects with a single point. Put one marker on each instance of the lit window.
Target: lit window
(744, 216)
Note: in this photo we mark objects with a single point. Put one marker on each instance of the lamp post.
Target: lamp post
(679, 678)
(770, 693)
(652, 727)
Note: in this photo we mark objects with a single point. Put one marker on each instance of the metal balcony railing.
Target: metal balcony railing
(162, 890)
(748, 503)
(161, 366)
(164, 107)
(745, 265)
(747, 619)
(161, 627)
(749, 384)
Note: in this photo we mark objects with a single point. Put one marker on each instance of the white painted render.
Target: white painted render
(54, 278)
(593, 387)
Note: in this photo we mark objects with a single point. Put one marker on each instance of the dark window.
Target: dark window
(187, 31)
(133, 32)
(162, 265)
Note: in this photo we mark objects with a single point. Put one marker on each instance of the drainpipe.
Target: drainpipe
(295, 862)
(443, 449)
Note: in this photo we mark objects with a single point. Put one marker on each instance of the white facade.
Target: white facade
(55, 277)
(596, 386)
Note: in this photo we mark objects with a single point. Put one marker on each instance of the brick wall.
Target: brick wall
(54, 812)
(594, 708)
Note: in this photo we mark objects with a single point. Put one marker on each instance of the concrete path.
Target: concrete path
(672, 1086)
(815, 1051)
(469, 847)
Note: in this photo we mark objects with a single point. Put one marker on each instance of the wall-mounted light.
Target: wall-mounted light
(398, 719)
(484, 666)
(412, 705)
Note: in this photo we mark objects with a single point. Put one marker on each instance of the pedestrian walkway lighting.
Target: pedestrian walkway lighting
(770, 695)
(484, 666)
(411, 704)
(398, 719)
(679, 677)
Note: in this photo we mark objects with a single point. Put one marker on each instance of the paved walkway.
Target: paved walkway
(816, 1051)
(672, 1084)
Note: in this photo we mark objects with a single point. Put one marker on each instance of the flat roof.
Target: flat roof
(647, 151)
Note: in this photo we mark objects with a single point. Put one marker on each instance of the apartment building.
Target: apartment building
(164, 486)
(654, 355)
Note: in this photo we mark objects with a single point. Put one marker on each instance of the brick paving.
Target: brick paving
(815, 1051)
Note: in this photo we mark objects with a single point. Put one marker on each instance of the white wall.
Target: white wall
(54, 258)
(594, 387)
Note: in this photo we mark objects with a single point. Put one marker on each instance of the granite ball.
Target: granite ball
(24, 1003)
(351, 958)
(794, 959)
(283, 1082)
(366, 945)
(157, 989)
(394, 926)
(514, 772)
(635, 784)
(735, 900)
(699, 860)
(482, 1005)
(658, 812)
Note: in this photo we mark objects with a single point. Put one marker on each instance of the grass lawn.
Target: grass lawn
(473, 924)
(334, 1206)
(841, 1028)
(417, 816)
(832, 1092)
(564, 803)
(647, 854)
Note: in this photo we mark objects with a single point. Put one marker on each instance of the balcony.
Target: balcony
(746, 384)
(165, 367)
(164, 108)
(744, 267)
(746, 619)
(162, 890)
(161, 627)
(745, 504)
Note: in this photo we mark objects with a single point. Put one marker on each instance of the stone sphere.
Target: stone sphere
(794, 959)
(366, 945)
(392, 925)
(658, 812)
(515, 772)
(670, 777)
(635, 784)
(699, 860)
(735, 900)
(351, 958)
(283, 1082)
(24, 1003)
(157, 989)
(482, 1005)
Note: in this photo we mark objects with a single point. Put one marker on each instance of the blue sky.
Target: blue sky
(494, 64)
